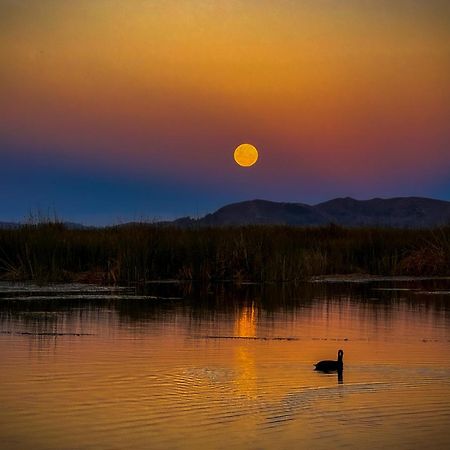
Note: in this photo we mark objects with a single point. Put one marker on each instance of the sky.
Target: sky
(117, 110)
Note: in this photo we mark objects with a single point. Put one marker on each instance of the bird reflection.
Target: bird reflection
(340, 374)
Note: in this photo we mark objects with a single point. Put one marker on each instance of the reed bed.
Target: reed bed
(142, 252)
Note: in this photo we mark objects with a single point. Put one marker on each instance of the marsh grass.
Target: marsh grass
(141, 252)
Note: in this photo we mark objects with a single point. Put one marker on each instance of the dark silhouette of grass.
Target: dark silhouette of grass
(142, 252)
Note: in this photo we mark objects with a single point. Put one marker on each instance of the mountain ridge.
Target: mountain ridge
(396, 212)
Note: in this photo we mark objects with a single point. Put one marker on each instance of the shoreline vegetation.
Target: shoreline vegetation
(138, 253)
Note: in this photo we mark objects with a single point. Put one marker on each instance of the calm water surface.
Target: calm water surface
(219, 367)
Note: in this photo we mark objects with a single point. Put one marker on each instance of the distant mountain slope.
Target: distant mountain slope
(395, 212)
(400, 212)
(266, 213)
(15, 225)
(409, 212)
(9, 225)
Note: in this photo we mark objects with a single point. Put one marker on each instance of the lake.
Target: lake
(180, 366)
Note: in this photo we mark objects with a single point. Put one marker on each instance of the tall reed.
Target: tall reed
(143, 252)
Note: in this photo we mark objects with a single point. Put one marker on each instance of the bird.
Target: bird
(331, 366)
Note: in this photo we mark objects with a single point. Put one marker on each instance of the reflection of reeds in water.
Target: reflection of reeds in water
(138, 253)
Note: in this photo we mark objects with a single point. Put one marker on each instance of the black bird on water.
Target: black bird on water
(331, 366)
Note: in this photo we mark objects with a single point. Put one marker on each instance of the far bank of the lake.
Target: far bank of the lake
(141, 252)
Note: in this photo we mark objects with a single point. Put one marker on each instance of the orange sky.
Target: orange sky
(345, 92)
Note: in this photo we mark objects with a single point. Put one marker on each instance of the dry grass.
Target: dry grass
(137, 253)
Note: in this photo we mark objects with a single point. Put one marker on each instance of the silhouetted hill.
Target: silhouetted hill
(400, 212)
(263, 212)
(408, 212)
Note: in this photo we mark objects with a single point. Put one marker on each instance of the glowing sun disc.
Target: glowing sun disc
(246, 155)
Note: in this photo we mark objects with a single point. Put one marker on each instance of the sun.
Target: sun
(246, 155)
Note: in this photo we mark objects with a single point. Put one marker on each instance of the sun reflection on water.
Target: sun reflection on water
(245, 325)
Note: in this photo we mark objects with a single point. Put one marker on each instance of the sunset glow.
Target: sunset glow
(154, 94)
